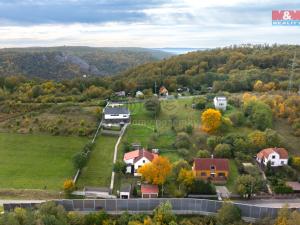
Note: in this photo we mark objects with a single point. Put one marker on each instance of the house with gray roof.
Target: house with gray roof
(116, 115)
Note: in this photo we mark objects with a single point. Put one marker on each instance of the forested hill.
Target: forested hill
(230, 69)
(69, 62)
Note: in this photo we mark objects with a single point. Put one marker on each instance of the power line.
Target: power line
(292, 74)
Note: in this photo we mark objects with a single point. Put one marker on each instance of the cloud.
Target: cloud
(142, 23)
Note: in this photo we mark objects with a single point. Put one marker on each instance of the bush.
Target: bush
(200, 103)
(183, 152)
(189, 129)
(80, 160)
(228, 214)
(203, 154)
(213, 141)
(237, 118)
(182, 141)
(223, 151)
(202, 187)
(69, 186)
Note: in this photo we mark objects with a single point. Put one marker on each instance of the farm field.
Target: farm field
(99, 167)
(37, 161)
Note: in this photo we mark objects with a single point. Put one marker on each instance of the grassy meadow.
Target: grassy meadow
(99, 167)
(37, 161)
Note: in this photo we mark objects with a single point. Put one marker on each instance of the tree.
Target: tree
(223, 151)
(182, 140)
(247, 185)
(163, 214)
(272, 138)
(258, 86)
(228, 214)
(120, 167)
(152, 105)
(257, 139)
(157, 171)
(203, 154)
(69, 186)
(211, 120)
(80, 160)
(178, 165)
(186, 177)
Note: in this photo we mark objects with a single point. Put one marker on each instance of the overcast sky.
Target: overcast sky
(143, 23)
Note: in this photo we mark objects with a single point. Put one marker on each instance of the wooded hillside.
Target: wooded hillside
(68, 62)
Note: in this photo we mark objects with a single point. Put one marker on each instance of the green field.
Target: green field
(37, 161)
(99, 168)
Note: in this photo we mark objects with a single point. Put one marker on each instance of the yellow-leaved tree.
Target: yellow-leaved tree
(157, 171)
(211, 120)
(186, 177)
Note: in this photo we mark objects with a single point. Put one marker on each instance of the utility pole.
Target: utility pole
(292, 74)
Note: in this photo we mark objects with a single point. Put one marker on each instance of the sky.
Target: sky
(143, 23)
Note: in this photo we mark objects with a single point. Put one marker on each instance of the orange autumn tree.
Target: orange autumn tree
(211, 120)
(157, 171)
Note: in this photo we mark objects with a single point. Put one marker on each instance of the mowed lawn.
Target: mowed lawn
(37, 161)
(99, 167)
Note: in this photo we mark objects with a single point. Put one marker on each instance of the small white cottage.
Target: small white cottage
(276, 156)
(136, 159)
(220, 102)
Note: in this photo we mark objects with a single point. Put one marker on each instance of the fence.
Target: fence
(183, 206)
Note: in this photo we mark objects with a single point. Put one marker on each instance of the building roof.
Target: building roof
(138, 154)
(206, 163)
(266, 152)
(149, 189)
(116, 110)
(220, 98)
(125, 188)
(163, 90)
(294, 185)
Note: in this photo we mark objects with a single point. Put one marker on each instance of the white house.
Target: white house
(136, 159)
(276, 156)
(125, 191)
(220, 103)
(139, 94)
(116, 114)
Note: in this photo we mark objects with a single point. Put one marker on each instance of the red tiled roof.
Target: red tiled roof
(266, 152)
(206, 163)
(163, 90)
(149, 189)
(138, 154)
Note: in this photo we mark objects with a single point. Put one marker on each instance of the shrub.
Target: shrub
(80, 160)
(182, 141)
(189, 129)
(203, 154)
(223, 151)
(69, 186)
(237, 118)
(202, 187)
(228, 214)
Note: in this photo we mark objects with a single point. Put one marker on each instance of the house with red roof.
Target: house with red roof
(276, 156)
(215, 169)
(163, 91)
(149, 191)
(136, 159)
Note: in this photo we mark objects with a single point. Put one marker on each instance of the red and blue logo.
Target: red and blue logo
(286, 17)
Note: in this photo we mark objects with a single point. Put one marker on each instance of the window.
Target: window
(203, 174)
(221, 174)
(273, 156)
(282, 162)
(144, 161)
(212, 167)
(272, 163)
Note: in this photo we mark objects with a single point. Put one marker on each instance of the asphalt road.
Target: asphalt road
(274, 203)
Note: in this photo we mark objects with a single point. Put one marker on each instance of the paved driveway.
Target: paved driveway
(222, 191)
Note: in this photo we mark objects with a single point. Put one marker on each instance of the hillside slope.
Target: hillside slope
(69, 62)
(230, 69)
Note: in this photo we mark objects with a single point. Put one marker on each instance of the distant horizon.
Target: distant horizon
(143, 23)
